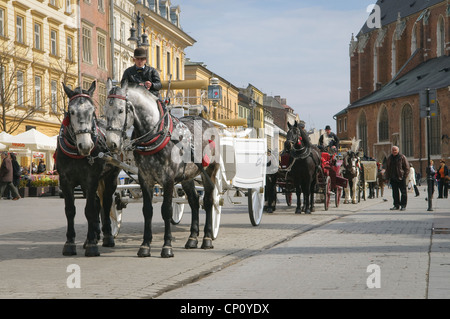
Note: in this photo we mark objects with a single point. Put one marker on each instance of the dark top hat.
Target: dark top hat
(327, 127)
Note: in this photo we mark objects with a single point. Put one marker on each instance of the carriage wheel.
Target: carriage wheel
(116, 214)
(327, 192)
(255, 205)
(337, 195)
(288, 198)
(177, 208)
(217, 203)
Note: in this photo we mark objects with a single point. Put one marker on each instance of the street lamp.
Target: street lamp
(138, 35)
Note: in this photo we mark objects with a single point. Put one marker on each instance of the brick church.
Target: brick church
(391, 64)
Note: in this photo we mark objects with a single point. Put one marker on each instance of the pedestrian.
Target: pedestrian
(17, 172)
(442, 179)
(6, 176)
(397, 171)
(412, 179)
(142, 74)
(431, 176)
(41, 167)
(33, 168)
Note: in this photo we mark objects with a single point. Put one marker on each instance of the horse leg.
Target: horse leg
(91, 213)
(166, 212)
(312, 191)
(69, 248)
(147, 210)
(298, 192)
(306, 198)
(347, 193)
(193, 199)
(107, 201)
(354, 189)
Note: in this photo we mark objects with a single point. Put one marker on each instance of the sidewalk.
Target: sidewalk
(332, 261)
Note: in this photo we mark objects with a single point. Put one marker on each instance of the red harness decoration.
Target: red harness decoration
(158, 142)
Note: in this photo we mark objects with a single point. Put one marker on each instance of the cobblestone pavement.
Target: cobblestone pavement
(322, 255)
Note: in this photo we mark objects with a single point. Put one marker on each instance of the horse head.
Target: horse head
(295, 138)
(119, 113)
(81, 116)
(351, 162)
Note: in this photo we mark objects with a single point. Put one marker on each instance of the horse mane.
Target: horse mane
(305, 138)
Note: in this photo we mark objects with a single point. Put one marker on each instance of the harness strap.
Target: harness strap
(80, 95)
(157, 141)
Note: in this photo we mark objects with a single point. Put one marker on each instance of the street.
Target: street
(355, 251)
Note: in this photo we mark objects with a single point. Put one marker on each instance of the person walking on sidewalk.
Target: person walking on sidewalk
(397, 171)
(412, 179)
(6, 176)
(442, 179)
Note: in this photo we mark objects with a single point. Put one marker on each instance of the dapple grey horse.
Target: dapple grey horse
(166, 151)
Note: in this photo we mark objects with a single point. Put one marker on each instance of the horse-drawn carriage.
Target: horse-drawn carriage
(240, 180)
(306, 169)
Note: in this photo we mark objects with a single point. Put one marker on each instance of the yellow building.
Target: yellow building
(256, 104)
(37, 52)
(224, 109)
(167, 41)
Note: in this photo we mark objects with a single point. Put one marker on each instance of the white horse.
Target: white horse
(351, 170)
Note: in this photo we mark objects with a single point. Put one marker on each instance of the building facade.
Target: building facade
(38, 45)
(224, 109)
(391, 67)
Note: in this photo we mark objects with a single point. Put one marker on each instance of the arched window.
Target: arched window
(441, 37)
(383, 126)
(407, 131)
(414, 39)
(435, 125)
(362, 132)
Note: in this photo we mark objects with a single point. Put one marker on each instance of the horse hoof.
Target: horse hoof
(167, 252)
(70, 249)
(313, 209)
(108, 241)
(269, 210)
(298, 211)
(144, 251)
(207, 243)
(192, 243)
(91, 250)
(308, 211)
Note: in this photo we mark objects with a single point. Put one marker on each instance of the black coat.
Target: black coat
(137, 76)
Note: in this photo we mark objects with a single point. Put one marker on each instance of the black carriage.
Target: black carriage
(329, 181)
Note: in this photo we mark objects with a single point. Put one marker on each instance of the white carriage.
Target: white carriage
(240, 180)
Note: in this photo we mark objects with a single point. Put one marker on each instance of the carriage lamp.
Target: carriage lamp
(138, 34)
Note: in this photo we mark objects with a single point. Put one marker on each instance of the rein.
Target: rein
(124, 128)
(149, 143)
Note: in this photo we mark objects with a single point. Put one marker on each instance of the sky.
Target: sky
(298, 49)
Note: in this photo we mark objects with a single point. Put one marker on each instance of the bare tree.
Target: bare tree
(21, 101)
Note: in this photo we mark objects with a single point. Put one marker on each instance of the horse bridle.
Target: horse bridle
(127, 109)
(94, 124)
(347, 162)
(302, 152)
